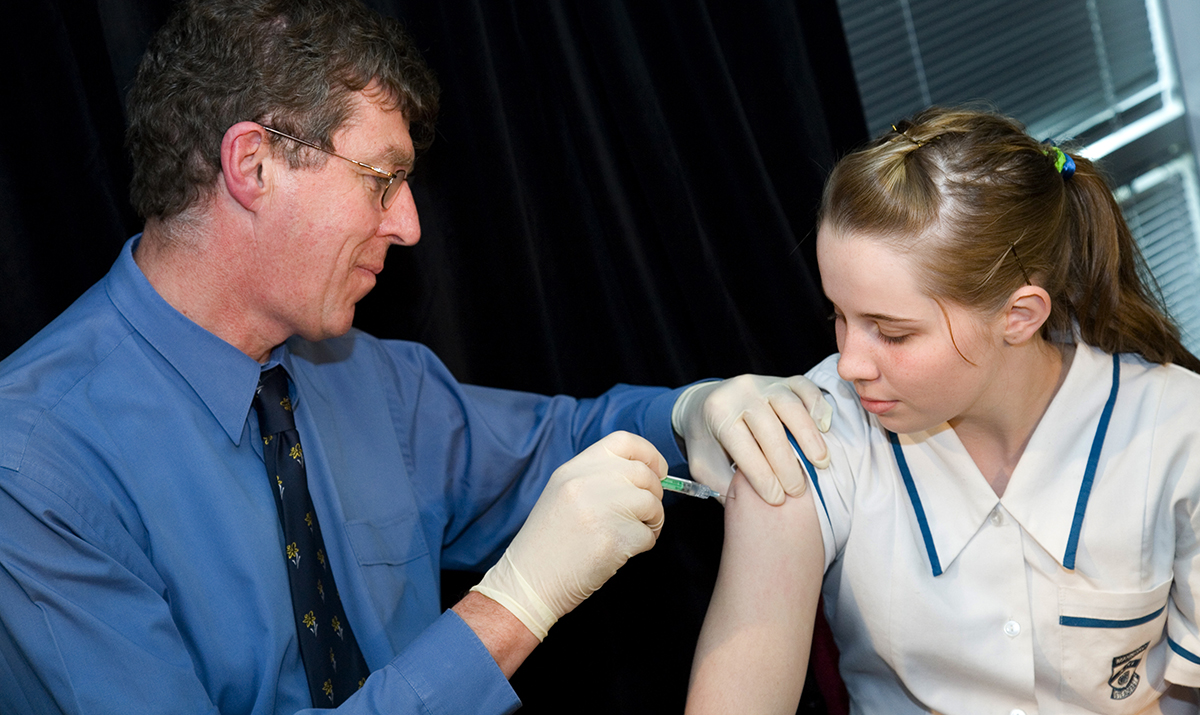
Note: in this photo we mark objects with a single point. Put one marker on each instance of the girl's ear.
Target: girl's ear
(1027, 310)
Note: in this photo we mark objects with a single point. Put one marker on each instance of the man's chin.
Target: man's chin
(331, 328)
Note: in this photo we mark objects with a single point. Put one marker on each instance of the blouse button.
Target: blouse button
(1017, 711)
(997, 518)
(1012, 629)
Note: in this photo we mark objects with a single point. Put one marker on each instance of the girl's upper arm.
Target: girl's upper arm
(753, 650)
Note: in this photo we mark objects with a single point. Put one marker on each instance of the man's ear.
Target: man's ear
(1027, 310)
(244, 154)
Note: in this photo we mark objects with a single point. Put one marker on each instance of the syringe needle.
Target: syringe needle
(688, 487)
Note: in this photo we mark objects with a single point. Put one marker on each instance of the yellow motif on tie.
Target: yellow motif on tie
(280, 483)
(328, 688)
(337, 628)
(267, 439)
(333, 660)
(286, 404)
(311, 621)
(321, 590)
(297, 453)
(293, 554)
(321, 557)
(308, 520)
(361, 682)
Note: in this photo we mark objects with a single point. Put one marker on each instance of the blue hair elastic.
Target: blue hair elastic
(1063, 163)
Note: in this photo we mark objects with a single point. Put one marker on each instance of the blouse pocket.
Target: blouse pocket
(1112, 661)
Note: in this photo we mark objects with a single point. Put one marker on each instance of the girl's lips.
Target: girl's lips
(877, 407)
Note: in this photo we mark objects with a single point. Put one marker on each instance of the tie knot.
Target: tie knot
(272, 402)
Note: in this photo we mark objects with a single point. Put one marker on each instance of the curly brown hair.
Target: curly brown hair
(292, 63)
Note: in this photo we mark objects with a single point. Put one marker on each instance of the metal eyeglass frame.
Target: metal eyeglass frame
(394, 179)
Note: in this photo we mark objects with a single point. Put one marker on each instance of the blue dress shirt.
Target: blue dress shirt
(140, 550)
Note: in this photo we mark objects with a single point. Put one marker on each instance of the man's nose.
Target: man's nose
(400, 222)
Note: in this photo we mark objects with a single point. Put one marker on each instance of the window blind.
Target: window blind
(1164, 215)
(1060, 66)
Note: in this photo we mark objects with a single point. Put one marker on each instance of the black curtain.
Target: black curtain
(618, 192)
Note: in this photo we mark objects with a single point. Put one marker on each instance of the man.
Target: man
(200, 455)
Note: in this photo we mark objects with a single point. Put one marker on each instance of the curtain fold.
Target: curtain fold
(618, 192)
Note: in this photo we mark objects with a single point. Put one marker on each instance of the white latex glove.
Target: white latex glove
(597, 510)
(740, 421)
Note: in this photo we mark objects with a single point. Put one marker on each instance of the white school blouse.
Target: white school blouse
(1066, 595)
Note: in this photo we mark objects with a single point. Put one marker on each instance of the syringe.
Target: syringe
(688, 487)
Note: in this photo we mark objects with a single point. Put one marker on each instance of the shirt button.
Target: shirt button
(1012, 629)
(997, 518)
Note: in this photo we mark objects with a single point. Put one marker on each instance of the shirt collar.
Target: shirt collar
(281, 355)
(222, 376)
(1041, 496)
(1045, 487)
(949, 496)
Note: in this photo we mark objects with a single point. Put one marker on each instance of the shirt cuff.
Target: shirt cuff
(657, 429)
(448, 670)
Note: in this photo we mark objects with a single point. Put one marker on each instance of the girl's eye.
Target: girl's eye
(893, 339)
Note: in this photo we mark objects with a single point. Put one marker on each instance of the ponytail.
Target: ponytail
(1112, 306)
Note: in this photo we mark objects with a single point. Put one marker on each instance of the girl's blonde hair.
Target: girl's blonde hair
(982, 208)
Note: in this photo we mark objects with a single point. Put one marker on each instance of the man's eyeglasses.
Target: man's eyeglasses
(394, 180)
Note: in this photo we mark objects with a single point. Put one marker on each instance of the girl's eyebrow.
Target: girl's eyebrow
(880, 317)
(885, 318)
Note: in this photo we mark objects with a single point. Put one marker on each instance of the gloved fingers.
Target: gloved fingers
(797, 417)
(632, 447)
(773, 442)
(806, 413)
(745, 450)
(597, 510)
(640, 462)
(641, 522)
(637, 495)
(818, 407)
(646, 510)
(709, 464)
(807, 438)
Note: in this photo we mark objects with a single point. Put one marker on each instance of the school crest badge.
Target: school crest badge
(1124, 678)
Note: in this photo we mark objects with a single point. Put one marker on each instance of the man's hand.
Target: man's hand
(596, 511)
(741, 420)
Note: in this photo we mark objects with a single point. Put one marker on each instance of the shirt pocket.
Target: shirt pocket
(391, 543)
(399, 574)
(1112, 659)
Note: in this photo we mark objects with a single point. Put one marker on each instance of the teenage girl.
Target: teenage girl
(1010, 522)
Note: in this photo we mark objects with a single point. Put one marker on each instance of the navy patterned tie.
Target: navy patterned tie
(332, 660)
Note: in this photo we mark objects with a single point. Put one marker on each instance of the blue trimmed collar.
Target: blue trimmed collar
(1045, 487)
